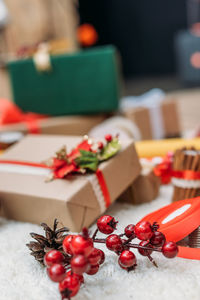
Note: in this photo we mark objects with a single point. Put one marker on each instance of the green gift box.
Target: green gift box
(84, 82)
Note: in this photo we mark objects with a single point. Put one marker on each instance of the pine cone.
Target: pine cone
(53, 239)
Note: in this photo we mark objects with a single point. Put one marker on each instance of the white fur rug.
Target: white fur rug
(22, 278)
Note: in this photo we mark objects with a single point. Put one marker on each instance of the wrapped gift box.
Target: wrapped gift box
(27, 197)
(66, 125)
(144, 189)
(14, 123)
(155, 116)
(146, 186)
(85, 82)
(48, 19)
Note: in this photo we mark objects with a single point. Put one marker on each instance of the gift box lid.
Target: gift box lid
(74, 193)
(177, 220)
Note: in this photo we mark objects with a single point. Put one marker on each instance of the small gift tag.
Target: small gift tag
(42, 58)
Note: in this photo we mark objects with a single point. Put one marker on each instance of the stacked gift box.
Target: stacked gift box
(67, 96)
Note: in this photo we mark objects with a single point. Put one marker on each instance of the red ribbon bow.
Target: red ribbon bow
(164, 171)
(12, 114)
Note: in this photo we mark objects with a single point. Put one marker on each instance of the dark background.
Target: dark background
(142, 30)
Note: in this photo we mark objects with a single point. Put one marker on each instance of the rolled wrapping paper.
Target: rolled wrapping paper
(162, 147)
(125, 128)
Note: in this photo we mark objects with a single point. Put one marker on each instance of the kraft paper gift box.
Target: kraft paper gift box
(155, 116)
(63, 125)
(73, 201)
(85, 82)
(14, 123)
(144, 189)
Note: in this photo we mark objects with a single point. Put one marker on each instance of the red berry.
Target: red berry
(106, 224)
(81, 245)
(80, 277)
(108, 138)
(95, 257)
(69, 287)
(143, 251)
(129, 231)
(56, 272)
(79, 264)
(157, 239)
(127, 259)
(93, 269)
(100, 145)
(66, 244)
(121, 265)
(114, 243)
(170, 249)
(53, 257)
(143, 230)
(102, 257)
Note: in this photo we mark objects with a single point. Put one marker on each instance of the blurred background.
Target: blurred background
(157, 44)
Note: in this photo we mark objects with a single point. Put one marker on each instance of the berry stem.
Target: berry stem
(121, 235)
(152, 260)
(143, 247)
(95, 234)
(103, 241)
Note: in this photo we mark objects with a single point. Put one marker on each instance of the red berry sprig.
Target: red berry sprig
(82, 257)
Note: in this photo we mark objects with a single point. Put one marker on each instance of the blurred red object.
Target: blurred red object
(87, 35)
(164, 169)
(10, 113)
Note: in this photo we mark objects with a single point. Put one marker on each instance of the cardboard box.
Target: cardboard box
(144, 189)
(67, 125)
(27, 197)
(163, 117)
(34, 21)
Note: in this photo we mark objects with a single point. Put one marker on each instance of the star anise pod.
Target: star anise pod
(53, 239)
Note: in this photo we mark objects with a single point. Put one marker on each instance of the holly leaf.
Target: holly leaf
(110, 150)
(87, 160)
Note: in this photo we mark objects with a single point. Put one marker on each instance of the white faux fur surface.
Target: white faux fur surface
(22, 278)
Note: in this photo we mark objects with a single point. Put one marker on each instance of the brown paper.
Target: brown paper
(141, 117)
(67, 125)
(144, 189)
(28, 198)
(171, 118)
(35, 21)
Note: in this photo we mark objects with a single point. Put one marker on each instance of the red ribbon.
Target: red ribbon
(24, 163)
(165, 172)
(186, 174)
(98, 173)
(104, 187)
(12, 114)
